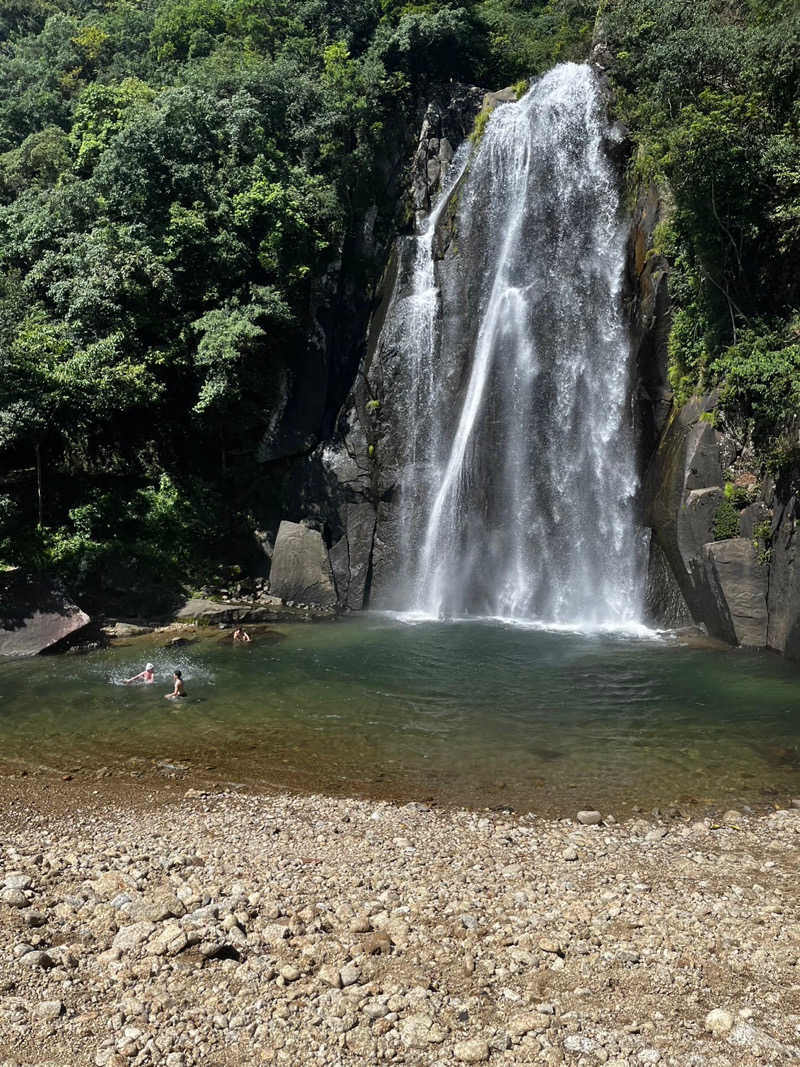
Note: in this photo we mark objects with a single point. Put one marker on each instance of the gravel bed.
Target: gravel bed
(228, 929)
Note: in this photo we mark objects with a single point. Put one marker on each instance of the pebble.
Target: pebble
(349, 974)
(227, 927)
(36, 959)
(48, 1009)
(570, 854)
(718, 1022)
(657, 834)
(475, 1050)
(330, 975)
(589, 818)
(14, 898)
(419, 1031)
(15, 880)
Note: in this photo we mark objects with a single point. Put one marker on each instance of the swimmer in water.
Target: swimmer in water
(147, 675)
(179, 690)
(241, 635)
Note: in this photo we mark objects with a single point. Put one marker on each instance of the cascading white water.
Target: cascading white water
(518, 475)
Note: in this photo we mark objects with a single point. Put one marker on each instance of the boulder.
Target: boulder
(753, 517)
(301, 569)
(683, 490)
(350, 555)
(738, 580)
(664, 603)
(695, 526)
(34, 615)
(783, 632)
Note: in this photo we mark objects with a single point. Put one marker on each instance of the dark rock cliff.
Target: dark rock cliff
(343, 483)
(740, 590)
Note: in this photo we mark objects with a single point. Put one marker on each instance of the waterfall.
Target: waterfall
(517, 471)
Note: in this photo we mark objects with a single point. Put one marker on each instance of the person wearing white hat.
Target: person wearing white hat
(147, 675)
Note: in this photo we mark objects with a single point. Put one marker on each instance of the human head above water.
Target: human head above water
(149, 667)
(178, 674)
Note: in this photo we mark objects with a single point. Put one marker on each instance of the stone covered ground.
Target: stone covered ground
(230, 929)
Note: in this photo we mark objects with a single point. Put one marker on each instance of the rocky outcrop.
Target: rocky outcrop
(783, 598)
(728, 584)
(301, 570)
(200, 612)
(347, 485)
(35, 616)
(664, 603)
(445, 125)
(682, 490)
(649, 315)
(738, 582)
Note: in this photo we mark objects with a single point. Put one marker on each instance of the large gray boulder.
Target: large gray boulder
(738, 581)
(784, 582)
(683, 490)
(350, 555)
(34, 616)
(301, 569)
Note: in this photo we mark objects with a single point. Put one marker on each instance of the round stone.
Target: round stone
(719, 1022)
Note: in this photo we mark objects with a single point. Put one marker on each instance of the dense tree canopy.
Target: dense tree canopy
(711, 91)
(181, 179)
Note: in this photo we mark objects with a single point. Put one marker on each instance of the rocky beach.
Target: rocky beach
(227, 930)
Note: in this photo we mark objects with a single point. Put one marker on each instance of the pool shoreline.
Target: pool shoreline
(148, 784)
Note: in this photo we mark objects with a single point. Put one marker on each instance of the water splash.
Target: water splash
(519, 474)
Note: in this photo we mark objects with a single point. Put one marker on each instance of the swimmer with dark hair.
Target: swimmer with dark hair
(179, 690)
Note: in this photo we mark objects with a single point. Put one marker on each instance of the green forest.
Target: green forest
(183, 192)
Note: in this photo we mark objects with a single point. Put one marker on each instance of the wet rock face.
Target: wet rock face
(683, 488)
(34, 616)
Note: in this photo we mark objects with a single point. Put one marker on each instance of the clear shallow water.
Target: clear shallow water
(479, 713)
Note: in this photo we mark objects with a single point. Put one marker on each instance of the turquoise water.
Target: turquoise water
(479, 713)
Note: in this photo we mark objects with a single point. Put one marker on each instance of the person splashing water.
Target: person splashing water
(179, 690)
(147, 675)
